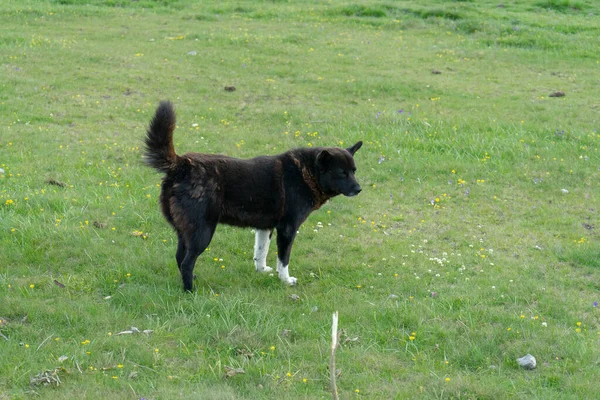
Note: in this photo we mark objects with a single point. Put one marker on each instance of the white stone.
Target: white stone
(527, 362)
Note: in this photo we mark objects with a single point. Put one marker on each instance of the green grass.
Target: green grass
(479, 210)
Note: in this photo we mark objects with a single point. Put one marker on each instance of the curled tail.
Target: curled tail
(160, 153)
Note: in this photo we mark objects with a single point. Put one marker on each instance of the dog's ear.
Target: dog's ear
(354, 148)
(324, 159)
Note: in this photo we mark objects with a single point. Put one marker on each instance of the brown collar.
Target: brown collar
(319, 197)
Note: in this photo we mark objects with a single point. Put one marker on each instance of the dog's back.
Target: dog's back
(246, 193)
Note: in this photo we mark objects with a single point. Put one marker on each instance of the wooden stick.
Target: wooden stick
(334, 344)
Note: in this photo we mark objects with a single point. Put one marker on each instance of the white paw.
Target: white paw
(264, 269)
(291, 281)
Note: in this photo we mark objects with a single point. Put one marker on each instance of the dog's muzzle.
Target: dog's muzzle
(356, 190)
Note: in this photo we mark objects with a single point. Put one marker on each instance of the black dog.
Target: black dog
(266, 193)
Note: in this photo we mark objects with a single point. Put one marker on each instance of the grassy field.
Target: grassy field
(473, 243)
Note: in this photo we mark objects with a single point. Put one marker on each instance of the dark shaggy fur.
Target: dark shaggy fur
(268, 193)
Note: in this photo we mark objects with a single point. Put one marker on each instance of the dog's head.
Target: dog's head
(336, 171)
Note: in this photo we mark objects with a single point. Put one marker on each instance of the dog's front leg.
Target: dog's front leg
(285, 238)
(261, 249)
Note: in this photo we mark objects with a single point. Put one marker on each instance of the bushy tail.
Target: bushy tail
(160, 153)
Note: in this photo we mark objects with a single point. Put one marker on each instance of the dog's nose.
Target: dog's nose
(356, 190)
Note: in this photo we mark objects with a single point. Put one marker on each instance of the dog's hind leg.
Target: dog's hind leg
(197, 243)
(285, 238)
(180, 255)
(261, 249)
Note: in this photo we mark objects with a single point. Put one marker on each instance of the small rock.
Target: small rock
(527, 362)
(192, 53)
(565, 191)
(560, 93)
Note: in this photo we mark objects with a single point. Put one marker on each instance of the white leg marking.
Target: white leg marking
(261, 249)
(284, 274)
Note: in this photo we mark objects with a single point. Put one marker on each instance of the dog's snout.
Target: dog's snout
(354, 191)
